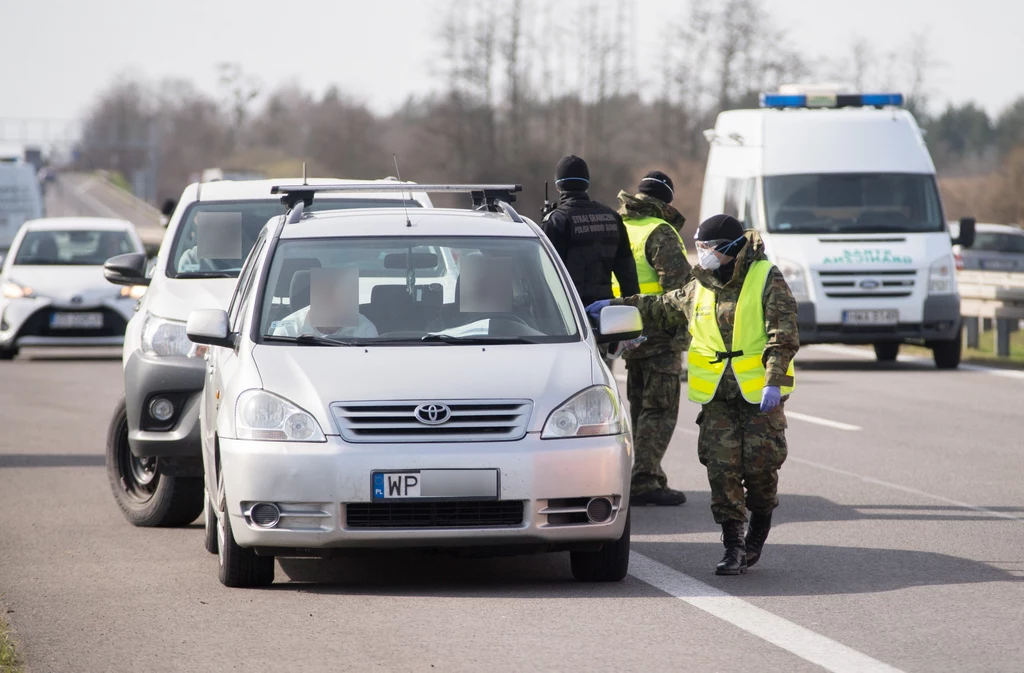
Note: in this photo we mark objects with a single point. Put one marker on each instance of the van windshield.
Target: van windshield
(863, 203)
(429, 290)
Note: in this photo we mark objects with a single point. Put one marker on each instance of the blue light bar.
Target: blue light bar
(880, 99)
(829, 100)
(783, 100)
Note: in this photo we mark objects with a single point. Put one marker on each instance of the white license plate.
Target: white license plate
(875, 317)
(479, 484)
(998, 264)
(76, 320)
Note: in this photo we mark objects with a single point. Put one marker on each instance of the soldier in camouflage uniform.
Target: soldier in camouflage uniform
(653, 368)
(742, 444)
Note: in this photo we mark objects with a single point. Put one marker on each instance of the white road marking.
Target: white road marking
(838, 425)
(804, 643)
(907, 489)
(869, 355)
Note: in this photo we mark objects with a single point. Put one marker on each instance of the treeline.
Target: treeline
(518, 86)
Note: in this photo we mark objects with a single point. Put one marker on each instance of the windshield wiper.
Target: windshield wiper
(307, 340)
(207, 274)
(471, 340)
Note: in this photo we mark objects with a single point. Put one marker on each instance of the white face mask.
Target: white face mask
(707, 259)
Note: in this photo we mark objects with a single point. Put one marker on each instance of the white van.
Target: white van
(20, 200)
(842, 189)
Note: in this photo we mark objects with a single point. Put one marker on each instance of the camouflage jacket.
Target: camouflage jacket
(668, 258)
(674, 308)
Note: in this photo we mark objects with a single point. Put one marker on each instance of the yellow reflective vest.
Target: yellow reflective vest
(708, 357)
(639, 231)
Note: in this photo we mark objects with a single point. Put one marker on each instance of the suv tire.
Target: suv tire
(239, 567)
(609, 564)
(146, 497)
(209, 524)
(947, 353)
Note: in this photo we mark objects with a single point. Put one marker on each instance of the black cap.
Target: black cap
(719, 227)
(658, 185)
(572, 174)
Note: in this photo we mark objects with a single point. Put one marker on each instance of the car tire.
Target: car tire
(947, 353)
(886, 351)
(609, 564)
(209, 524)
(8, 353)
(239, 567)
(146, 497)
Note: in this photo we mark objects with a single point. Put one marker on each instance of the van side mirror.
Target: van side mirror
(127, 269)
(619, 323)
(966, 237)
(209, 326)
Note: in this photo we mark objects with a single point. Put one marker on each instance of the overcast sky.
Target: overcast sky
(55, 55)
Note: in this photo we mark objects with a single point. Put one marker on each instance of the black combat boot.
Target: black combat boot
(665, 497)
(735, 560)
(757, 533)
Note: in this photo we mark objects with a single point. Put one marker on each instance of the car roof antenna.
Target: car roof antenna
(199, 187)
(405, 204)
(305, 183)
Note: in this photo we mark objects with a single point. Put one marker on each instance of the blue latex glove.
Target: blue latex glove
(770, 398)
(594, 310)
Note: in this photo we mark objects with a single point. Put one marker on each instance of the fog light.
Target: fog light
(161, 409)
(599, 510)
(265, 514)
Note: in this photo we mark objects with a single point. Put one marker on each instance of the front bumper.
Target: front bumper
(313, 484)
(940, 322)
(26, 322)
(181, 380)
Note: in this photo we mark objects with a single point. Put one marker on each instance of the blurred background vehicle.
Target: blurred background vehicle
(997, 247)
(21, 198)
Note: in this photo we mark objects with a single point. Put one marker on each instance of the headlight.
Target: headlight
(593, 412)
(263, 415)
(941, 276)
(133, 291)
(13, 290)
(164, 337)
(795, 278)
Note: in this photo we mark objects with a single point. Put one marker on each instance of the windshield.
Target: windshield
(73, 248)
(215, 237)
(415, 290)
(863, 203)
(987, 241)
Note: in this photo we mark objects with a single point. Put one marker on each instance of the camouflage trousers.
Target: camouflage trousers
(652, 388)
(742, 449)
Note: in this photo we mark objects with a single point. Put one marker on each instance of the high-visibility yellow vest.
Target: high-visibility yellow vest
(639, 231)
(708, 356)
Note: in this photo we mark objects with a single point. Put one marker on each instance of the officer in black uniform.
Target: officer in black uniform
(589, 237)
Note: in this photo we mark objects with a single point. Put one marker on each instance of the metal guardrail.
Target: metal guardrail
(995, 296)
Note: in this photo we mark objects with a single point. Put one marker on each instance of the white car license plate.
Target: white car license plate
(76, 320)
(477, 484)
(875, 317)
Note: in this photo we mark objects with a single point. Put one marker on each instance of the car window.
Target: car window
(215, 236)
(391, 289)
(73, 247)
(986, 241)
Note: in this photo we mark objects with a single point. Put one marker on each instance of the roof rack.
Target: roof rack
(489, 197)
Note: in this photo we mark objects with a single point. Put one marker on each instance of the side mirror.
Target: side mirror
(619, 323)
(209, 326)
(127, 269)
(166, 210)
(966, 237)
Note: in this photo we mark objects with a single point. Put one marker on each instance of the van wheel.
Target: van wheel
(886, 351)
(609, 564)
(8, 353)
(146, 497)
(239, 567)
(947, 353)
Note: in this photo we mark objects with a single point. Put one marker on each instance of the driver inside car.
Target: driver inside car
(330, 300)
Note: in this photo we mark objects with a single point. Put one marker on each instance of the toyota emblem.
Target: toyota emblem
(433, 414)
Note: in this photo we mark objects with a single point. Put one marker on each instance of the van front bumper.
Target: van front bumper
(940, 322)
(315, 485)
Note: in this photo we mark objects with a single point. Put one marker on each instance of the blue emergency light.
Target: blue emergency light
(830, 100)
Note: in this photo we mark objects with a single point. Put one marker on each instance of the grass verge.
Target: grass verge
(986, 351)
(10, 662)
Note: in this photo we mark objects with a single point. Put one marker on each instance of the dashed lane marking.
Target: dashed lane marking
(817, 420)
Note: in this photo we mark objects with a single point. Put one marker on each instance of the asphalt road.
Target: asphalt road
(898, 544)
(87, 195)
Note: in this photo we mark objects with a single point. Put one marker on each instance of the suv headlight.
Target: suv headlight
(264, 416)
(13, 290)
(164, 337)
(795, 278)
(942, 276)
(595, 411)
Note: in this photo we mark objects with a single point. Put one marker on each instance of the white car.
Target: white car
(54, 293)
(487, 421)
(153, 449)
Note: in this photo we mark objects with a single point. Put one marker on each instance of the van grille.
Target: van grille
(457, 514)
(471, 421)
(848, 284)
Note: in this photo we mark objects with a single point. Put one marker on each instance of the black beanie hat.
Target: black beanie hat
(572, 174)
(718, 227)
(658, 185)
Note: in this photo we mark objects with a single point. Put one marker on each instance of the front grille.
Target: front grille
(471, 421)
(38, 324)
(847, 284)
(457, 514)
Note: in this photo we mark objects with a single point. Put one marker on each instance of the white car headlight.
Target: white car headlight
(13, 290)
(164, 337)
(795, 278)
(595, 411)
(942, 276)
(265, 416)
